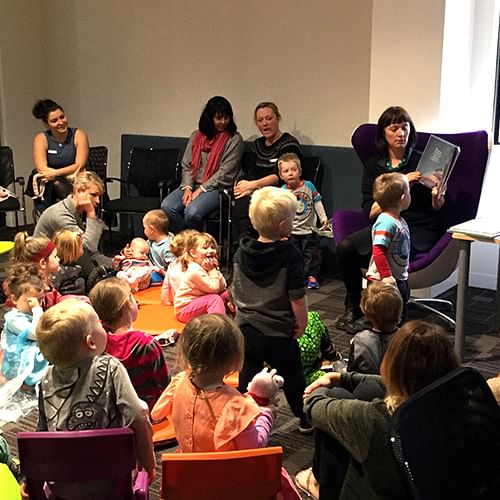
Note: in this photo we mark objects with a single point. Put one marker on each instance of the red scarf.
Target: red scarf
(214, 147)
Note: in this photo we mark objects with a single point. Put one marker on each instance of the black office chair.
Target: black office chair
(446, 439)
(14, 203)
(151, 175)
(98, 161)
(312, 170)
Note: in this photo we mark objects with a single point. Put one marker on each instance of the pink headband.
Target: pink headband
(44, 252)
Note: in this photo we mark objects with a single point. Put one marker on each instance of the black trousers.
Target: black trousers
(308, 245)
(280, 353)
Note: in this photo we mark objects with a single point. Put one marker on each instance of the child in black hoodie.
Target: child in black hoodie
(269, 293)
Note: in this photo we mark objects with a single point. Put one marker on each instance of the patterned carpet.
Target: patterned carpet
(482, 352)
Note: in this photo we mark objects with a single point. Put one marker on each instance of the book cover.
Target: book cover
(437, 162)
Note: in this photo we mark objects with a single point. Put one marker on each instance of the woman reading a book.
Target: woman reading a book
(396, 136)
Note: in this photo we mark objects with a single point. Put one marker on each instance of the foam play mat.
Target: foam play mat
(155, 319)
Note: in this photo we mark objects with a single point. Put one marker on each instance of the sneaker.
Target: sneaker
(349, 316)
(304, 426)
(312, 283)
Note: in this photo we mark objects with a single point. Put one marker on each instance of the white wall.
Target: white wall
(406, 58)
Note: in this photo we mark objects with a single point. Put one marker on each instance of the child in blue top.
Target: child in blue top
(390, 234)
(23, 362)
(304, 233)
(156, 225)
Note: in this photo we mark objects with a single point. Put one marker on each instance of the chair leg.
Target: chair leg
(422, 304)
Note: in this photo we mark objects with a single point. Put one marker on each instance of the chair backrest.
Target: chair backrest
(6, 166)
(466, 180)
(312, 170)
(78, 456)
(446, 439)
(244, 475)
(98, 161)
(147, 167)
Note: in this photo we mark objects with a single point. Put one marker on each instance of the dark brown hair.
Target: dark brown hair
(394, 114)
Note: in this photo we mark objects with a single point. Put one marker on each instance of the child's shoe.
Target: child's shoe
(312, 283)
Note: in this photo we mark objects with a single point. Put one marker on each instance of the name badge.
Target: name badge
(52, 151)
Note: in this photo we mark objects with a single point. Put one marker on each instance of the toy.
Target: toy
(264, 387)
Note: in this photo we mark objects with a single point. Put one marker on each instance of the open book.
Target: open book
(486, 228)
(437, 162)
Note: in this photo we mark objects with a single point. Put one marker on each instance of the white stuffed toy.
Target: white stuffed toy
(264, 387)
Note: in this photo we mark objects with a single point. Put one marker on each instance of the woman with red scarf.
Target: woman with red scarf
(211, 161)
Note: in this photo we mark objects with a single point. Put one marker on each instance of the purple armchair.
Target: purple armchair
(462, 200)
(81, 456)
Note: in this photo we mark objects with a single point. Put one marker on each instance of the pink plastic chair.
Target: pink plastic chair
(80, 456)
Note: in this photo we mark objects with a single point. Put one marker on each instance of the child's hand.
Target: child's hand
(390, 280)
(324, 225)
(210, 263)
(116, 261)
(127, 252)
(152, 476)
(33, 302)
(413, 176)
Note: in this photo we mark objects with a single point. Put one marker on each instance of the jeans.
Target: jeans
(193, 216)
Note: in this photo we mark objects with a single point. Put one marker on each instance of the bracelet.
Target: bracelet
(186, 187)
(203, 189)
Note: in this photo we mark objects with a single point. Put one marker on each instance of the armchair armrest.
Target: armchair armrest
(346, 222)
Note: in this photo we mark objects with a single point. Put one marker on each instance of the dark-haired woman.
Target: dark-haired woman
(59, 152)
(396, 137)
(211, 161)
(263, 170)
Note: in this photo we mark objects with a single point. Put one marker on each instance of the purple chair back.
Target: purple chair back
(78, 456)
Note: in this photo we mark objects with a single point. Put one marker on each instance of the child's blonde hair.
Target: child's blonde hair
(69, 245)
(61, 331)
(284, 158)
(23, 277)
(31, 248)
(194, 241)
(180, 241)
(158, 220)
(269, 206)
(388, 189)
(381, 303)
(211, 343)
(110, 298)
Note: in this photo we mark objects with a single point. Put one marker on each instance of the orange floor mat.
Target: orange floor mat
(155, 319)
(151, 295)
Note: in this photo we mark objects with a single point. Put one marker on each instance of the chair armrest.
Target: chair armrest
(346, 222)
(141, 486)
(112, 179)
